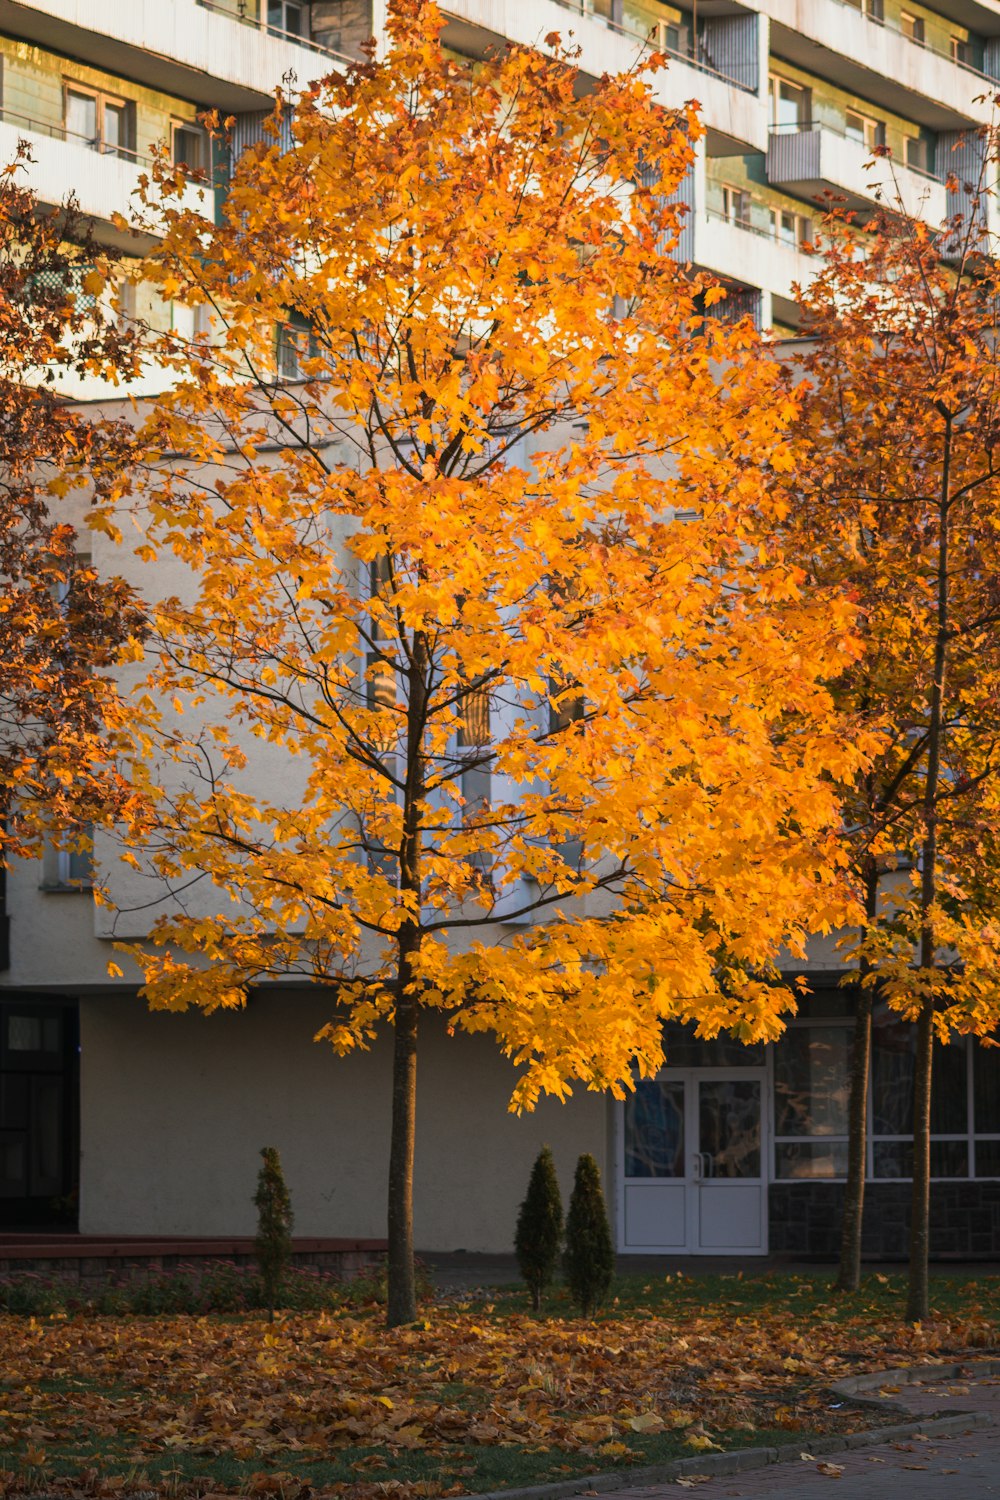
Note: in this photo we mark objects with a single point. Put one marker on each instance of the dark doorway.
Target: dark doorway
(39, 1113)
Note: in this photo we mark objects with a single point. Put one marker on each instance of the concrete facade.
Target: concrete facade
(173, 1149)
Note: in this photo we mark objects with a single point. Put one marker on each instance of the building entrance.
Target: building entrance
(38, 1113)
(691, 1159)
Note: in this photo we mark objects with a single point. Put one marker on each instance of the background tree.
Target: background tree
(589, 1257)
(900, 505)
(61, 626)
(539, 1227)
(275, 1221)
(536, 757)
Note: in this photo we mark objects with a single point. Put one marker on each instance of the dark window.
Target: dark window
(812, 1080)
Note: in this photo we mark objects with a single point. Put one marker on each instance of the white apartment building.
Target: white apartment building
(126, 1123)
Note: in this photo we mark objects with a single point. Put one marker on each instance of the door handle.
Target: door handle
(696, 1166)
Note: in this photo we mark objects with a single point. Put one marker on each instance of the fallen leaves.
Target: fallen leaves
(309, 1387)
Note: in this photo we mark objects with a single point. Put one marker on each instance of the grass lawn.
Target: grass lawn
(480, 1395)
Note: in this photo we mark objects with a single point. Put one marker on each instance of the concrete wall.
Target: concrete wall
(175, 1108)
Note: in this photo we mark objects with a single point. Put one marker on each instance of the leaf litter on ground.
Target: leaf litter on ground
(335, 1403)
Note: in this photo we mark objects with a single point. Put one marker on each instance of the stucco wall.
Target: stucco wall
(175, 1108)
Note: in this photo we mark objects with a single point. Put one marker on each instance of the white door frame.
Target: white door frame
(691, 1077)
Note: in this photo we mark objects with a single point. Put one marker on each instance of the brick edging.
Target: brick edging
(740, 1460)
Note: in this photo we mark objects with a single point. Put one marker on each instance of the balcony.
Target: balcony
(103, 181)
(730, 103)
(874, 59)
(810, 161)
(732, 248)
(202, 50)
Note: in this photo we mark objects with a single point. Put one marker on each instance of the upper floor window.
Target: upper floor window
(790, 228)
(288, 16)
(912, 27)
(189, 145)
(99, 120)
(789, 103)
(864, 129)
(870, 8)
(735, 204)
(961, 52)
(918, 153)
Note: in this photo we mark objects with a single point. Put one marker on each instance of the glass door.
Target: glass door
(692, 1164)
(728, 1165)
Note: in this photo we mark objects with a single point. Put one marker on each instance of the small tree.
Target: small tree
(539, 1227)
(589, 1259)
(273, 1245)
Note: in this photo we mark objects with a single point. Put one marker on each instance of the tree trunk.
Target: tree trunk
(849, 1275)
(401, 1297)
(918, 1296)
(402, 1292)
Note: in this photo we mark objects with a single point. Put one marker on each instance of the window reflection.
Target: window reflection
(729, 1127)
(654, 1130)
(893, 1047)
(812, 1079)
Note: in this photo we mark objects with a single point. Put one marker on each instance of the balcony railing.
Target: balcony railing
(249, 14)
(772, 235)
(58, 131)
(809, 127)
(654, 43)
(923, 44)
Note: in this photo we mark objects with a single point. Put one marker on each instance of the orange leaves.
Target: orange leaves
(195, 1393)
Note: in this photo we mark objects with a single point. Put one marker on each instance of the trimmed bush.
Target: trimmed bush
(539, 1227)
(589, 1259)
(273, 1245)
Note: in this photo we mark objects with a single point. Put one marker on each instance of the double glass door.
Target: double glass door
(692, 1164)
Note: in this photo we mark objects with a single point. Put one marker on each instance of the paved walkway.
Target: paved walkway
(965, 1467)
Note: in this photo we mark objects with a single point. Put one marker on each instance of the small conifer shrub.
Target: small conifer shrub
(273, 1245)
(589, 1258)
(539, 1227)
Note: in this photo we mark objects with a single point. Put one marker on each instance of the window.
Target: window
(791, 229)
(870, 8)
(735, 205)
(662, 26)
(288, 16)
(868, 132)
(812, 1062)
(912, 27)
(39, 1032)
(474, 740)
(100, 121)
(189, 146)
(960, 50)
(294, 342)
(918, 154)
(70, 869)
(789, 104)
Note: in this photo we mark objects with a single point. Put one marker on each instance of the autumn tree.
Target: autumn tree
(61, 625)
(474, 505)
(899, 504)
